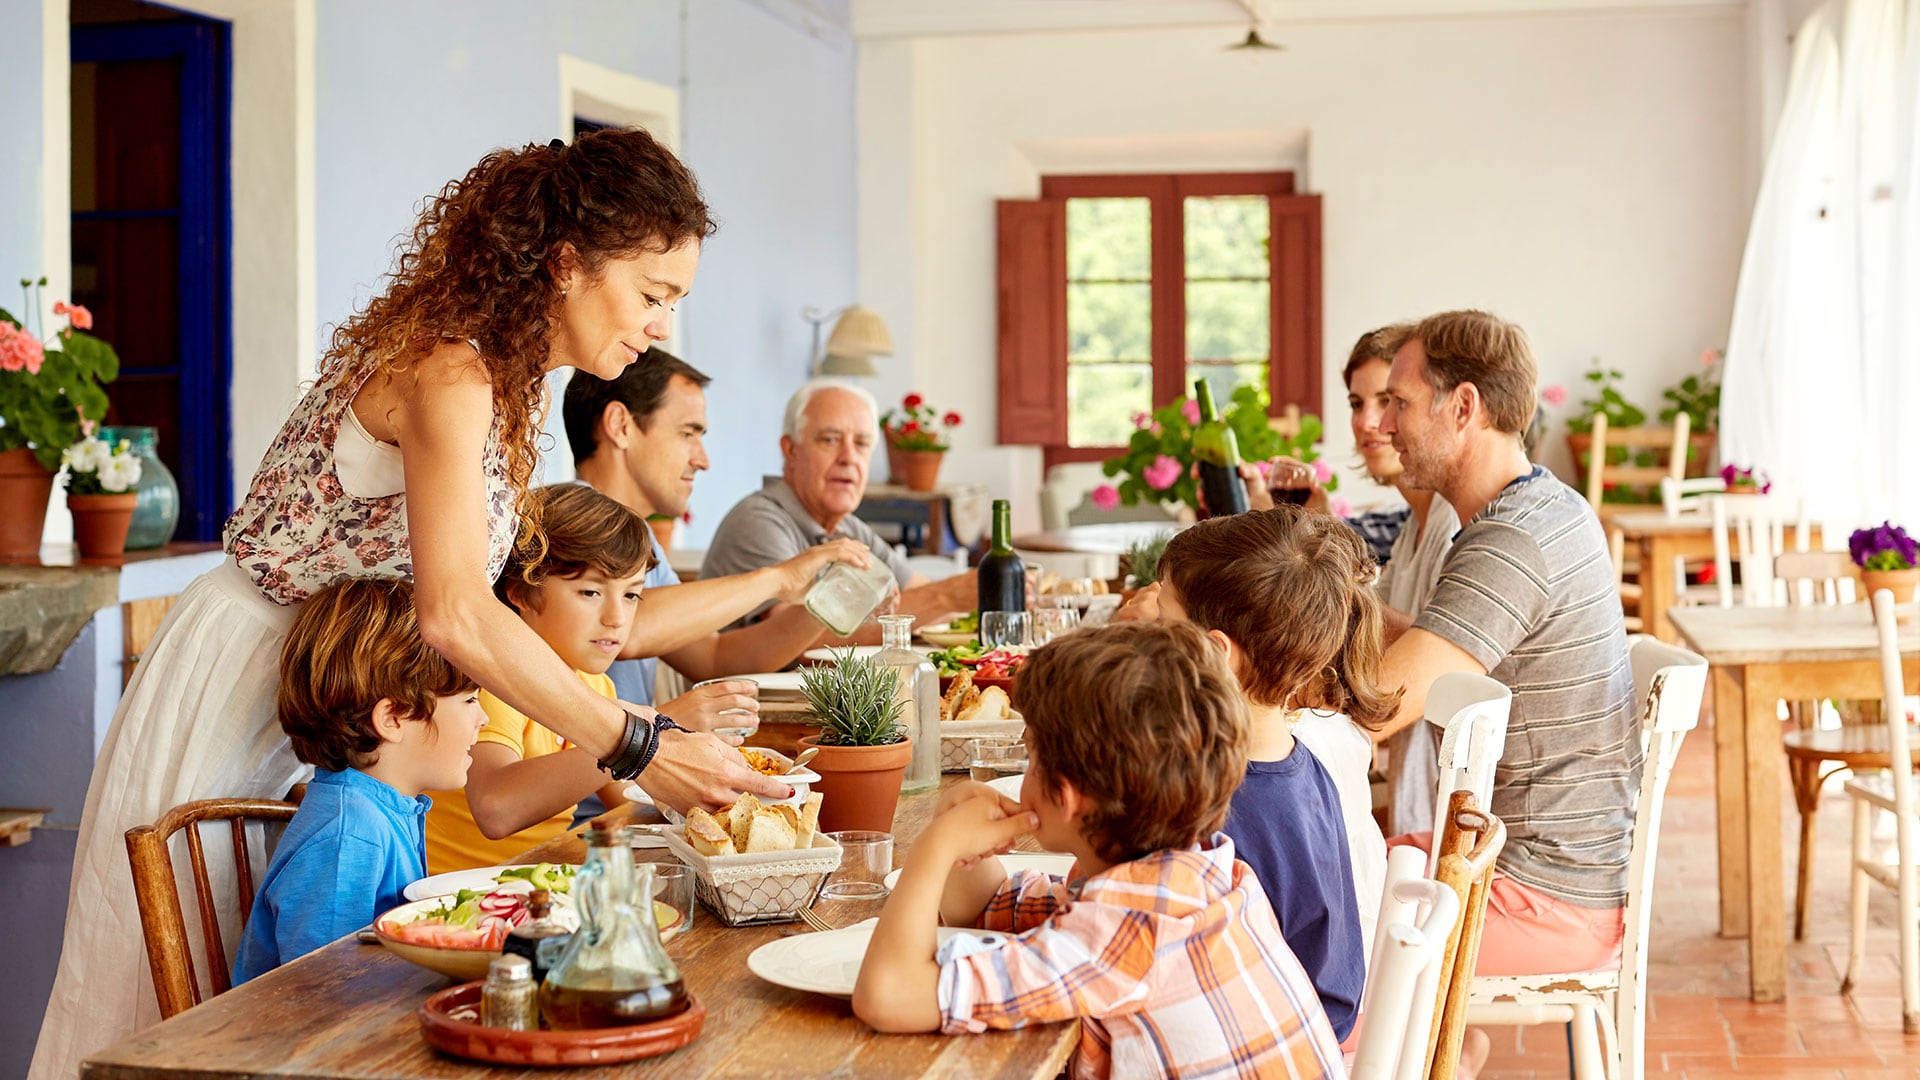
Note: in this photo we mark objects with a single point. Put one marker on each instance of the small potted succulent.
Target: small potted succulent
(864, 749)
(1888, 559)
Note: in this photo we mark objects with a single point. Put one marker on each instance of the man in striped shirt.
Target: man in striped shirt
(1160, 942)
(1527, 596)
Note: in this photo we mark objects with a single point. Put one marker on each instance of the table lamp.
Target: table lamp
(858, 336)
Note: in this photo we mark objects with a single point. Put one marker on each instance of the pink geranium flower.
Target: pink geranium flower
(1106, 496)
(1191, 410)
(1141, 420)
(77, 314)
(1162, 474)
(1322, 472)
(19, 351)
(1338, 506)
(1555, 395)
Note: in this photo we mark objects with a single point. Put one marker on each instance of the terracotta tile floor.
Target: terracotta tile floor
(1702, 1027)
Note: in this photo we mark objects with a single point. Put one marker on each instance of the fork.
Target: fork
(813, 919)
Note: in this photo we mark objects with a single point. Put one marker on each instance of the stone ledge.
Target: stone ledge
(43, 608)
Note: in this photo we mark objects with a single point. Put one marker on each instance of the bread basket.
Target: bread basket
(764, 887)
(954, 735)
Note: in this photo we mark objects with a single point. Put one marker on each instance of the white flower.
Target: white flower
(87, 455)
(120, 473)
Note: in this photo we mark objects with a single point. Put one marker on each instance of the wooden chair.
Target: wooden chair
(1467, 846)
(1893, 792)
(1403, 975)
(1601, 474)
(1668, 685)
(1687, 494)
(1473, 711)
(1756, 527)
(169, 954)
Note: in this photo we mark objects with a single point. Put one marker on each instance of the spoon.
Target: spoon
(801, 760)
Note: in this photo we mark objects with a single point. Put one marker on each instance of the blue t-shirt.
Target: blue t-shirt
(1285, 822)
(633, 679)
(350, 849)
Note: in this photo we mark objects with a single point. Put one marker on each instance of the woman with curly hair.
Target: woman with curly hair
(409, 457)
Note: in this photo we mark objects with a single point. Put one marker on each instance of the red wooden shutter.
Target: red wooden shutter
(1033, 321)
(1294, 372)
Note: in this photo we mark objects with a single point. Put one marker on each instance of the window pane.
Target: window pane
(1226, 236)
(1109, 321)
(1108, 240)
(1102, 400)
(1228, 320)
(1225, 377)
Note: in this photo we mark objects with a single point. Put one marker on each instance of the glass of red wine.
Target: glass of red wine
(1290, 482)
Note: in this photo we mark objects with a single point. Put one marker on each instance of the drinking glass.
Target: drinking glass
(1000, 629)
(749, 721)
(1290, 482)
(993, 758)
(865, 859)
(1056, 615)
(843, 595)
(673, 886)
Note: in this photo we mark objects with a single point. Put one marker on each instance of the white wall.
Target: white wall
(1584, 175)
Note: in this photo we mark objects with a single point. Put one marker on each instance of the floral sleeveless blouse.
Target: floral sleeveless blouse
(299, 530)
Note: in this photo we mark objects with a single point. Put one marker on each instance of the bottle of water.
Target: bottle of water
(919, 695)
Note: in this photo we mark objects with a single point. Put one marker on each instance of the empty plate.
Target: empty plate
(828, 962)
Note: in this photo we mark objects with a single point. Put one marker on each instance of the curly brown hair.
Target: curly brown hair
(479, 264)
(1146, 723)
(353, 644)
(1293, 589)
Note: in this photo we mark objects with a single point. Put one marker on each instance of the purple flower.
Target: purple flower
(1162, 474)
(1884, 547)
(1106, 497)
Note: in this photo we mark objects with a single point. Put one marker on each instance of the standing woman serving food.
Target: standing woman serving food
(409, 457)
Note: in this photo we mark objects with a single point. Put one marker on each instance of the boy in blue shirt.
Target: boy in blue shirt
(382, 718)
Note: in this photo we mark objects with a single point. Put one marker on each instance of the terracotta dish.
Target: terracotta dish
(596, 1046)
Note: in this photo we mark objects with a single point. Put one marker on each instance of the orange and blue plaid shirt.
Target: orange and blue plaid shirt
(1173, 963)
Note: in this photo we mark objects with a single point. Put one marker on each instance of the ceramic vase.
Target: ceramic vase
(100, 523)
(25, 485)
(859, 785)
(156, 509)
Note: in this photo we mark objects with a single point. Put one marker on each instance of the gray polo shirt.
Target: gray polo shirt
(770, 526)
(1528, 591)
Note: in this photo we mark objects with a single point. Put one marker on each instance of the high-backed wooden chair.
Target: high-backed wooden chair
(1668, 443)
(1403, 976)
(1754, 527)
(1668, 684)
(169, 954)
(1467, 847)
(1892, 792)
(1472, 710)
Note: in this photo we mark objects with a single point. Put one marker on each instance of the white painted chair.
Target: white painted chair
(1688, 494)
(1893, 792)
(1756, 527)
(1668, 684)
(1472, 710)
(1403, 976)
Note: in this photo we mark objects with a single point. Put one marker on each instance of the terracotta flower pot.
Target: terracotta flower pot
(1901, 583)
(100, 523)
(861, 784)
(25, 485)
(662, 531)
(919, 470)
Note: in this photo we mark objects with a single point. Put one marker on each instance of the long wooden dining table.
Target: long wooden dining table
(1761, 656)
(348, 1011)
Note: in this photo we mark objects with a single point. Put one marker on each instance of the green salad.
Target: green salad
(966, 624)
(957, 659)
(553, 877)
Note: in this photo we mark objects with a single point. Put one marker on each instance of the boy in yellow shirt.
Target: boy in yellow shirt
(579, 595)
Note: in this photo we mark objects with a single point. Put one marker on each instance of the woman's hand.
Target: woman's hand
(704, 708)
(1286, 472)
(696, 769)
(798, 572)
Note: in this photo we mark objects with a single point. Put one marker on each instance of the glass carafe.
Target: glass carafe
(919, 697)
(614, 972)
(844, 595)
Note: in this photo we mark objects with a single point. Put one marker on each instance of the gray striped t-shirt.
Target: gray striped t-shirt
(1528, 591)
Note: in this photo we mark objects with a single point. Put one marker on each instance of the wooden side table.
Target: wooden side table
(935, 522)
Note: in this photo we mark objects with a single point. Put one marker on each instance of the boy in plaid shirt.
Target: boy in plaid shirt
(1161, 943)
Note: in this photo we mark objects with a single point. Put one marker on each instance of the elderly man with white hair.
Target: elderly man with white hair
(826, 445)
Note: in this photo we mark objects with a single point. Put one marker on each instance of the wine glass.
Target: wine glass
(1290, 482)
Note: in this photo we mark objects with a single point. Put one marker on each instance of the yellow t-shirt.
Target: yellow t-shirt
(454, 841)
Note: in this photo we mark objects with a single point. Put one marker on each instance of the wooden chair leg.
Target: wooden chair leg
(1806, 796)
(1857, 896)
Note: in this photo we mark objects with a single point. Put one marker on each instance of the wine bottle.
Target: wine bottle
(1003, 577)
(1218, 452)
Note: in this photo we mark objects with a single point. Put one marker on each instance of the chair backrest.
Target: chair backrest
(1473, 711)
(1668, 684)
(1601, 473)
(1403, 976)
(156, 890)
(1817, 577)
(1468, 847)
(1688, 493)
(1754, 526)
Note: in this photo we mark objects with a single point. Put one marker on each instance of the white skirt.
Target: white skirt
(196, 722)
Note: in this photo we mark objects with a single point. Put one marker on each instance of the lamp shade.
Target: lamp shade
(847, 365)
(859, 334)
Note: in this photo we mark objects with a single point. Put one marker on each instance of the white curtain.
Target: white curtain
(1823, 357)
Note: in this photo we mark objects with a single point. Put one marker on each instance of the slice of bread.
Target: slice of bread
(770, 830)
(809, 819)
(991, 705)
(741, 817)
(706, 836)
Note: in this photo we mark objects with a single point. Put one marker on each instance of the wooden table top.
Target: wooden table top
(1653, 522)
(1786, 635)
(1108, 538)
(348, 1011)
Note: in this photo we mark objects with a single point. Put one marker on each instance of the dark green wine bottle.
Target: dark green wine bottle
(1003, 577)
(1218, 452)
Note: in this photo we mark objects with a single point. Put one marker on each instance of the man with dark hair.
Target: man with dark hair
(638, 440)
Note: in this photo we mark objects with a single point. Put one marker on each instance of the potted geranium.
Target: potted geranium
(1697, 395)
(50, 390)
(1157, 465)
(100, 482)
(1888, 559)
(916, 441)
(1742, 480)
(864, 749)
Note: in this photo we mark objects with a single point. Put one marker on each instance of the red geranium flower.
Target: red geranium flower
(952, 419)
(910, 426)
(912, 401)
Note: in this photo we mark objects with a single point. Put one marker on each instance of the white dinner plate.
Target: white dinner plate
(479, 879)
(828, 962)
(779, 681)
(1008, 786)
(939, 634)
(1047, 862)
(829, 654)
